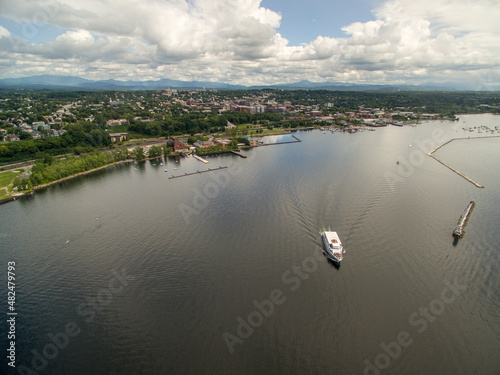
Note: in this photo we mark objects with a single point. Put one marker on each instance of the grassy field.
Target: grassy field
(266, 131)
(6, 179)
(3, 194)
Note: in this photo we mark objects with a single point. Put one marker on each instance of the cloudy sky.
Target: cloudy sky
(255, 41)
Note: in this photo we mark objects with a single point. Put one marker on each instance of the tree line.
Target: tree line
(49, 168)
(81, 137)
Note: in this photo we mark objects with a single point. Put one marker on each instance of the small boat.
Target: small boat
(67, 241)
(175, 169)
(334, 249)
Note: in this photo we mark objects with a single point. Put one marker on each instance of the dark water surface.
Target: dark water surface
(197, 256)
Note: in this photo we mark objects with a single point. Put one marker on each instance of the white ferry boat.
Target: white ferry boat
(333, 246)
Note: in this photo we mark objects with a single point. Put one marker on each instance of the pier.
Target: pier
(462, 222)
(451, 168)
(197, 172)
(239, 154)
(281, 143)
(200, 158)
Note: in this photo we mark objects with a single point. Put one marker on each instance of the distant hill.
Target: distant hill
(339, 86)
(76, 83)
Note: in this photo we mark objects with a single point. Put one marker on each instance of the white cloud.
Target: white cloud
(237, 41)
(4, 32)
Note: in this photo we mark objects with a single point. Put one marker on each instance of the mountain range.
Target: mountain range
(77, 83)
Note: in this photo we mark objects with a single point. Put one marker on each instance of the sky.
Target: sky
(255, 42)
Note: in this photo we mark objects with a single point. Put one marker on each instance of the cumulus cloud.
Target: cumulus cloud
(238, 41)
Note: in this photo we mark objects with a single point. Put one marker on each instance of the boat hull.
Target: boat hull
(333, 254)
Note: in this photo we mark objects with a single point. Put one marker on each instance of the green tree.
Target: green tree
(155, 152)
(26, 184)
(120, 154)
(138, 153)
(154, 129)
(16, 183)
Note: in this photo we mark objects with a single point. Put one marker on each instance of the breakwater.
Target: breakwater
(462, 222)
(431, 154)
(281, 143)
(197, 172)
(239, 154)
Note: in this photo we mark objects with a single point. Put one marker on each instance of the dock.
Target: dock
(239, 154)
(197, 172)
(297, 140)
(200, 158)
(462, 222)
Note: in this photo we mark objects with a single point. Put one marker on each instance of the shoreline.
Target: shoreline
(39, 187)
(15, 197)
(175, 155)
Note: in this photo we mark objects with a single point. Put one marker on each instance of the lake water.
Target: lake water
(223, 272)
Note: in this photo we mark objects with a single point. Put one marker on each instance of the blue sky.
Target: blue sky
(40, 34)
(303, 21)
(255, 42)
